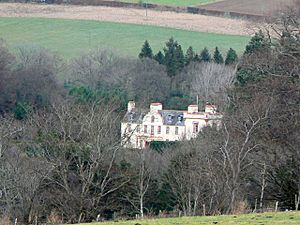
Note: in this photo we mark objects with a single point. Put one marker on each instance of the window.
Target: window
(129, 127)
(195, 127)
(167, 130)
(152, 119)
(138, 128)
(170, 118)
(145, 128)
(159, 129)
(152, 130)
(180, 118)
(176, 130)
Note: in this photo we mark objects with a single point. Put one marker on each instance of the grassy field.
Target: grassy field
(174, 2)
(72, 37)
(282, 218)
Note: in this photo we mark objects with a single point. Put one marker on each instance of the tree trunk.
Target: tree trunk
(141, 208)
(232, 201)
(263, 186)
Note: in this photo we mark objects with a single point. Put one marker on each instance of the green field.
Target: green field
(173, 2)
(72, 37)
(282, 218)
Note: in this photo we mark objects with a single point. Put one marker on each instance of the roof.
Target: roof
(135, 116)
(172, 117)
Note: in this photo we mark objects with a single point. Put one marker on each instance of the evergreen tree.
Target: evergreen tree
(146, 51)
(159, 57)
(258, 41)
(205, 56)
(179, 58)
(197, 58)
(189, 56)
(231, 57)
(170, 57)
(218, 58)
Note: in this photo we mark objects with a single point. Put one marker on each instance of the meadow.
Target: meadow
(173, 2)
(70, 38)
(280, 218)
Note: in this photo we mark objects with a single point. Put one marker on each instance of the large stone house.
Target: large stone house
(140, 127)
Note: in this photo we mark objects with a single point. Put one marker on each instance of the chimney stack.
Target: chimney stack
(130, 106)
(192, 108)
(155, 107)
(210, 108)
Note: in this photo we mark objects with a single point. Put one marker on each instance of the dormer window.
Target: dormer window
(170, 118)
(180, 118)
(131, 117)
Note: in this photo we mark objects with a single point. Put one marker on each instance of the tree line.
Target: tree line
(61, 158)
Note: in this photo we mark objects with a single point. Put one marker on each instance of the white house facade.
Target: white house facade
(140, 127)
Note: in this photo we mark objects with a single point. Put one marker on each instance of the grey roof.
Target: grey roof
(135, 116)
(171, 117)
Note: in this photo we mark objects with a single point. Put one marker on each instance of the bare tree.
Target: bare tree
(81, 143)
(100, 67)
(21, 176)
(210, 81)
(146, 165)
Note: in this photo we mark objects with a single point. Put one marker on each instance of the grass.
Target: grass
(282, 218)
(72, 37)
(174, 2)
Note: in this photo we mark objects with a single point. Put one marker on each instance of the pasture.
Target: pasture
(253, 7)
(281, 218)
(173, 2)
(70, 38)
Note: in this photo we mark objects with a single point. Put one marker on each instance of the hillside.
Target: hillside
(72, 37)
(282, 218)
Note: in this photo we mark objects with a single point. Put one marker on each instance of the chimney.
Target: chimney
(130, 106)
(192, 108)
(155, 107)
(210, 108)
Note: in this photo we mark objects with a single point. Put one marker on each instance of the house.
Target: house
(140, 127)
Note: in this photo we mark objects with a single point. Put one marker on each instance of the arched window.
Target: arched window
(152, 119)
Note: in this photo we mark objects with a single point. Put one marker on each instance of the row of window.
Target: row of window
(152, 130)
(195, 129)
(159, 130)
(169, 118)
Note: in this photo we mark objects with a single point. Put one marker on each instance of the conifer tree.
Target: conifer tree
(179, 59)
(159, 57)
(205, 56)
(146, 51)
(258, 41)
(218, 58)
(170, 57)
(231, 57)
(189, 56)
(197, 58)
